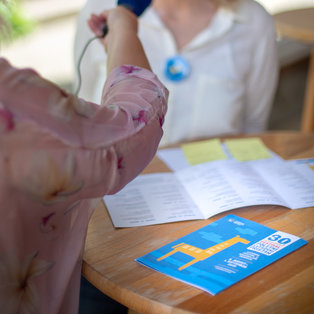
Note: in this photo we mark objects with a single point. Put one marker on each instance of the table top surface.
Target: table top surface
(296, 24)
(284, 286)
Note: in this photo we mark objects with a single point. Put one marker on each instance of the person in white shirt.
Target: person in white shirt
(218, 58)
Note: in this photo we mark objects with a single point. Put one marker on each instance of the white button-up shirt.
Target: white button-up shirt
(234, 70)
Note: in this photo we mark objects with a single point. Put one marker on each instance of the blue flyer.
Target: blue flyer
(222, 253)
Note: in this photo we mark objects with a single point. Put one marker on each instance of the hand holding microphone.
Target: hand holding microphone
(135, 6)
(120, 22)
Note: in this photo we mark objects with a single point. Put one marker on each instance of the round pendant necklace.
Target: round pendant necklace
(177, 68)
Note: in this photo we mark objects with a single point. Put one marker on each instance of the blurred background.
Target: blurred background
(43, 36)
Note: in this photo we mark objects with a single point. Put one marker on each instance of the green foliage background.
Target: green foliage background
(18, 23)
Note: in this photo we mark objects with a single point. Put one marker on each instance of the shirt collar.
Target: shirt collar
(222, 22)
(238, 13)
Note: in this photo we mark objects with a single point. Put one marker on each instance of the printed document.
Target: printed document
(204, 190)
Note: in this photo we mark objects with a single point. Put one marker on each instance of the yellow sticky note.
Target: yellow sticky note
(245, 149)
(203, 151)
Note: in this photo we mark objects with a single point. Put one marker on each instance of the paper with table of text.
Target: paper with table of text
(204, 190)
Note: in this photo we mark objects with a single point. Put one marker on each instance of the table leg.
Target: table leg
(307, 124)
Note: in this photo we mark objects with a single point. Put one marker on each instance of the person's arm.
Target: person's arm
(262, 79)
(85, 150)
(121, 43)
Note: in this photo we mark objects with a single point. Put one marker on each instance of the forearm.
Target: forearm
(126, 48)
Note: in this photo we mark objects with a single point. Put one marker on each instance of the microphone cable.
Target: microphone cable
(135, 6)
(78, 67)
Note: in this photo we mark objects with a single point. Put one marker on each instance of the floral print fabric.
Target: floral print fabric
(58, 156)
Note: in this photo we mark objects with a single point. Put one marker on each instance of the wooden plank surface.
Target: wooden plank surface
(285, 286)
(299, 25)
(296, 24)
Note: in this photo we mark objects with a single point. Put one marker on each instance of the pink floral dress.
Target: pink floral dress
(58, 156)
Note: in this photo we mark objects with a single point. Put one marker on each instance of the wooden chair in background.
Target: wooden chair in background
(299, 25)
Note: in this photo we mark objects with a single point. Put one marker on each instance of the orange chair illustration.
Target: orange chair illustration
(200, 254)
(312, 167)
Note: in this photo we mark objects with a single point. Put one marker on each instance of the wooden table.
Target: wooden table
(299, 25)
(286, 286)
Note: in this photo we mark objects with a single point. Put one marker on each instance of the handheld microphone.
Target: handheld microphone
(136, 6)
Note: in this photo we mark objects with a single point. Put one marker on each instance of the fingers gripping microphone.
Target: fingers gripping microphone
(136, 6)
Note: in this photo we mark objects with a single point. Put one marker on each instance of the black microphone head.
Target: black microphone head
(136, 6)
